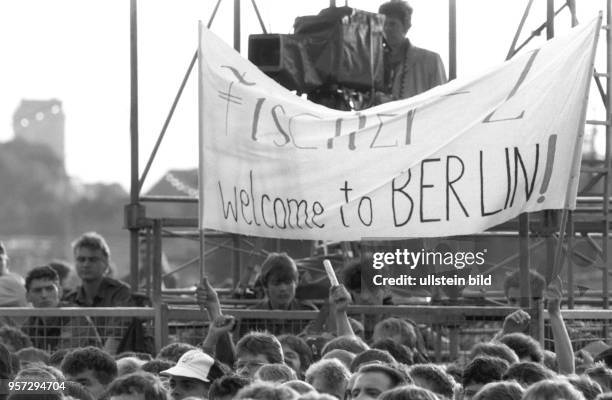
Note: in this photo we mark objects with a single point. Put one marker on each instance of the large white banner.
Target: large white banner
(458, 159)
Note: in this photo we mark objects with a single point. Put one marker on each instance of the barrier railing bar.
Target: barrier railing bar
(141, 312)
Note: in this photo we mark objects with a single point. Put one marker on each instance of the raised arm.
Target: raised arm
(563, 344)
(208, 300)
(339, 299)
(218, 341)
(516, 322)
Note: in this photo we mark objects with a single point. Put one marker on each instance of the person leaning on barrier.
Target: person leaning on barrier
(512, 287)
(51, 333)
(279, 276)
(409, 70)
(92, 260)
(518, 321)
(92, 257)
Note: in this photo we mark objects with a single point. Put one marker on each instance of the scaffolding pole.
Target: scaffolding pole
(452, 39)
(134, 205)
(608, 106)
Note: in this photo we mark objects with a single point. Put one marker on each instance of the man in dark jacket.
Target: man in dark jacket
(97, 289)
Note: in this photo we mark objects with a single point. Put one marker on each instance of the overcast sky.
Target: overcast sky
(78, 52)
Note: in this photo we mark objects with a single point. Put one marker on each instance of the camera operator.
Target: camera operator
(409, 70)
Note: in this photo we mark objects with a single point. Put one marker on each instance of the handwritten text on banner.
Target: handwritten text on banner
(457, 159)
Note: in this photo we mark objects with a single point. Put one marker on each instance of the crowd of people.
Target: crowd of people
(81, 357)
(333, 361)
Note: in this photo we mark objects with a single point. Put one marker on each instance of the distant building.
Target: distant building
(42, 122)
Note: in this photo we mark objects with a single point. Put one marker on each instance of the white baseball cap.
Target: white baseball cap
(193, 364)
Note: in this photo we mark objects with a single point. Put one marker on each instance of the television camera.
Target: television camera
(335, 57)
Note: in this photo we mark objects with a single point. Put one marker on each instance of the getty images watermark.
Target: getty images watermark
(405, 267)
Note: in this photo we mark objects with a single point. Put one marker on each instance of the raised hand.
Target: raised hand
(206, 296)
(221, 325)
(554, 295)
(339, 297)
(518, 321)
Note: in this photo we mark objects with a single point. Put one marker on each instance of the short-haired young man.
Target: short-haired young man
(256, 349)
(92, 260)
(192, 375)
(409, 70)
(43, 290)
(518, 321)
(512, 287)
(373, 379)
(91, 367)
(279, 277)
(296, 352)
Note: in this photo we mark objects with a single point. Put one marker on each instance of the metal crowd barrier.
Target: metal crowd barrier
(51, 329)
(449, 331)
(583, 326)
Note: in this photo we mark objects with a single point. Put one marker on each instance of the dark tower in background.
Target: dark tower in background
(42, 122)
